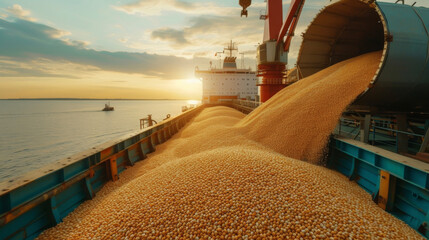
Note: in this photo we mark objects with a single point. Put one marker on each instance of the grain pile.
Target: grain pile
(298, 120)
(213, 181)
(245, 194)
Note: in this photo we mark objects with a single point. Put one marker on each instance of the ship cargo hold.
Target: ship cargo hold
(381, 141)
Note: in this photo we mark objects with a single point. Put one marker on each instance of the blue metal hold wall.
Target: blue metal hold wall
(410, 199)
(35, 204)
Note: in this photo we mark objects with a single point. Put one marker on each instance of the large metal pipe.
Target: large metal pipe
(348, 28)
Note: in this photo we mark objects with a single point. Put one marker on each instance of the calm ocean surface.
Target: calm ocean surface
(34, 133)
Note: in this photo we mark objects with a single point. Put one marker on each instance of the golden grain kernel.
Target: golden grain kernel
(227, 176)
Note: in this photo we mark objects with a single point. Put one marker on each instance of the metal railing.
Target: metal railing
(380, 133)
(354, 125)
(245, 106)
(246, 103)
(394, 134)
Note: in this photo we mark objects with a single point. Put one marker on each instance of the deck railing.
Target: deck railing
(245, 106)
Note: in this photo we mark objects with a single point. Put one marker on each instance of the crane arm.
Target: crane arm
(290, 23)
(272, 58)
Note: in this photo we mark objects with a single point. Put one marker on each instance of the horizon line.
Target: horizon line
(96, 99)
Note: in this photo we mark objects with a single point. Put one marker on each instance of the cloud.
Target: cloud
(42, 67)
(213, 32)
(123, 40)
(55, 33)
(29, 72)
(77, 43)
(177, 37)
(17, 11)
(208, 33)
(157, 7)
(25, 41)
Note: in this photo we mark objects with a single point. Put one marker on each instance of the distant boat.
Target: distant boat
(107, 107)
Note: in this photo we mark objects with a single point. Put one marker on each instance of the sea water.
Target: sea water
(34, 133)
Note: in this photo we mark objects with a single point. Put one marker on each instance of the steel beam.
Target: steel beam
(365, 126)
(425, 145)
(402, 142)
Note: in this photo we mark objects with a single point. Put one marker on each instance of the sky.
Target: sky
(129, 49)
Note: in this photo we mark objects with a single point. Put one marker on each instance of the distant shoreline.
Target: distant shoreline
(105, 99)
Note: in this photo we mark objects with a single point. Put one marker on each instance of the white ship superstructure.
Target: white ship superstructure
(229, 82)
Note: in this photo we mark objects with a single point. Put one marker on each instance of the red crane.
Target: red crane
(272, 53)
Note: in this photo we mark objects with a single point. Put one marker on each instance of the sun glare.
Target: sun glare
(193, 102)
(193, 81)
